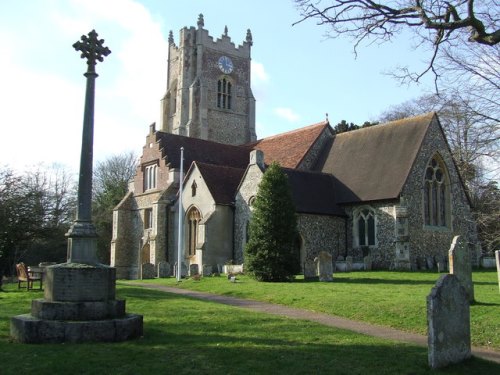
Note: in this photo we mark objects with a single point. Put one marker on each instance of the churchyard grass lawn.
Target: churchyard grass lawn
(394, 299)
(188, 336)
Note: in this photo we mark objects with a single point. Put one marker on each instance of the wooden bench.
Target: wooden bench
(23, 275)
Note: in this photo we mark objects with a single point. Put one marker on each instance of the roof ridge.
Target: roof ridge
(397, 122)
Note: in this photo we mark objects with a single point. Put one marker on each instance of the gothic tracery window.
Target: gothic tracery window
(436, 196)
(224, 94)
(364, 222)
(194, 218)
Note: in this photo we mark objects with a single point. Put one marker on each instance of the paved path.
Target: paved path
(325, 319)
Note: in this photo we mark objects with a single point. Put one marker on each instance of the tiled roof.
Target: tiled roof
(200, 150)
(373, 163)
(288, 149)
(221, 181)
(313, 192)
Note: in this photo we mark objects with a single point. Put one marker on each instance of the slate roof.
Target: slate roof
(222, 181)
(200, 150)
(313, 192)
(289, 148)
(373, 163)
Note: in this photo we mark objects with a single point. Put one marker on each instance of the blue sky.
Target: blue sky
(298, 75)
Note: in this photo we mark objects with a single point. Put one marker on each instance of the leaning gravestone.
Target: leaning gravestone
(460, 265)
(147, 271)
(163, 269)
(325, 266)
(310, 269)
(497, 257)
(448, 322)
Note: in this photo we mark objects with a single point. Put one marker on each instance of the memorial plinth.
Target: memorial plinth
(79, 303)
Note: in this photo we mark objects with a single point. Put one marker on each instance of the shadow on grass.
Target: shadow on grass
(348, 280)
(186, 336)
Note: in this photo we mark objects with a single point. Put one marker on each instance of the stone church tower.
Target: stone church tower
(208, 88)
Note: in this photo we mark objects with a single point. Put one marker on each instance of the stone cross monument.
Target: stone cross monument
(82, 236)
(79, 303)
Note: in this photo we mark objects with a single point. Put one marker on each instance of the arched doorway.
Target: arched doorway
(193, 220)
(146, 254)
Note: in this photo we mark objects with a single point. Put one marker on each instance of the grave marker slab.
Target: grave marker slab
(310, 270)
(163, 269)
(460, 265)
(147, 271)
(324, 266)
(448, 321)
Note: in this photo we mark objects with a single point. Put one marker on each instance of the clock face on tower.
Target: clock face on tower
(225, 64)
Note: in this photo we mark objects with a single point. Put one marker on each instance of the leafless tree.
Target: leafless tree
(444, 25)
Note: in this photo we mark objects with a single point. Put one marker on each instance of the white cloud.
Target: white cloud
(259, 74)
(287, 114)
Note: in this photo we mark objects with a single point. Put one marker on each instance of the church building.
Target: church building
(390, 191)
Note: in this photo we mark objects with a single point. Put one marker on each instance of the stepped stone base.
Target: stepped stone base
(30, 330)
(79, 306)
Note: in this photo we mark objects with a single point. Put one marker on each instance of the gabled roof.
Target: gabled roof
(201, 151)
(313, 192)
(222, 181)
(373, 163)
(288, 149)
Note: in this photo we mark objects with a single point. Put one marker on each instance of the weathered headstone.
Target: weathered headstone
(497, 257)
(430, 262)
(147, 271)
(310, 270)
(448, 321)
(207, 270)
(324, 266)
(460, 265)
(163, 269)
(441, 263)
(184, 269)
(348, 264)
(194, 269)
(367, 260)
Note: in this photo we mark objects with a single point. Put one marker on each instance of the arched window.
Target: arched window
(193, 218)
(436, 194)
(224, 94)
(364, 227)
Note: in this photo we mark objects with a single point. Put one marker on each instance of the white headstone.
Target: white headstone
(497, 257)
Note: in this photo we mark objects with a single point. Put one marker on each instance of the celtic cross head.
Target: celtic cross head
(92, 49)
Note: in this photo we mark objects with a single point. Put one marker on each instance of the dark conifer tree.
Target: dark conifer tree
(271, 253)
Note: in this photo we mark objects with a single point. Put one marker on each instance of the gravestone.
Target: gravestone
(184, 269)
(194, 270)
(430, 262)
(441, 263)
(367, 260)
(448, 321)
(497, 257)
(310, 270)
(147, 271)
(324, 266)
(460, 265)
(207, 270)
(348, 264)
(163, 269)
